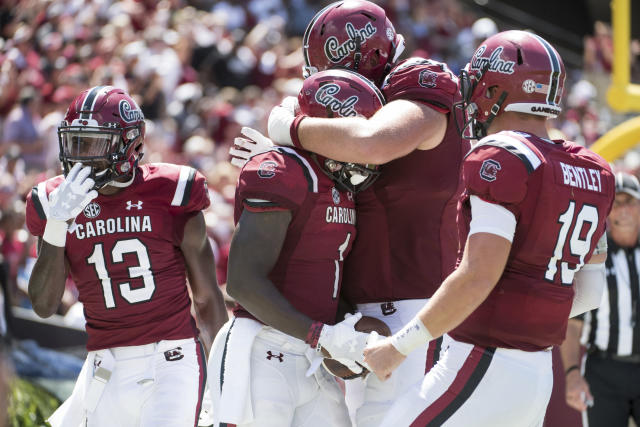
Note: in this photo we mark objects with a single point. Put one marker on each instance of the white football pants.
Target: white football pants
(158, 384)
(372, 402)
(281, 394)
(478, 386)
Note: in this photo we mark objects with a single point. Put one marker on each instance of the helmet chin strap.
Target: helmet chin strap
(484, 127)
(123, 184)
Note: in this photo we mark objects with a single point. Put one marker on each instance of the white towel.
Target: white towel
(72, 412)
(230, 364)
(103, 366)
(326, 381)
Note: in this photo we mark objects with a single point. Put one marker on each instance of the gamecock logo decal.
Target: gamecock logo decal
(267, 169)
(489, 170)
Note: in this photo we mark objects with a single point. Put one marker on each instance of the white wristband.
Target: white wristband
(55, 232)
(279, 126)
(412, 336)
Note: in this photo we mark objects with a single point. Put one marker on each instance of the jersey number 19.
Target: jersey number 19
(578, 247)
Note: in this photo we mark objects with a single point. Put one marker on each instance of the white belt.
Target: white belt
(386, 308)
(286, 342)
(133, 351)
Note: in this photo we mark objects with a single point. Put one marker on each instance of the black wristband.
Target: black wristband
(571, 368)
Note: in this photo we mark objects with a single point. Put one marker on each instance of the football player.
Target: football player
(531, 218)
(130, 235)
(295, 225)
(406, 220)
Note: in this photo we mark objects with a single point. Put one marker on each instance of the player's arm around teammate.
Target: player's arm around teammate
(397, 129)
(207, 297)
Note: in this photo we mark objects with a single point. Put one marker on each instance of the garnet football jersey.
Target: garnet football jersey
(560, 194)
(407, 239)
(321, 232)
(124, 255)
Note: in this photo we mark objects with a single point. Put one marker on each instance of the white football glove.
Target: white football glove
(66, 202)
(255, 143)
(281, 119)
(342, 341)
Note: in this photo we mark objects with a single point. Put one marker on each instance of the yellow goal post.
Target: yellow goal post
(623, 96)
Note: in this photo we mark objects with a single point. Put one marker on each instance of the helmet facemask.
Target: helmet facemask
(351, 177)
(111, 152)
(472, 127)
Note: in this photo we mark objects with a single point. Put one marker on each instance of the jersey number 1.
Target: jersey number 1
(577, 246)
(343, 247)
(143, 269)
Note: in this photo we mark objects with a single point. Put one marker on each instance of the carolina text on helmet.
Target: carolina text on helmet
(129, 113)
(336, 52)
(325, 97)
(478, 62)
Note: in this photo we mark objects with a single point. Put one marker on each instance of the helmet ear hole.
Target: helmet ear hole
(374, 59)
(491, 92)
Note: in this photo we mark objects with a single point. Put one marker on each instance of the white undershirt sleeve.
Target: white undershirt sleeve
(491, 218)
(589, 284)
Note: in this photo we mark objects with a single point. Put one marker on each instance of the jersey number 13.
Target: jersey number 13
(143, 270)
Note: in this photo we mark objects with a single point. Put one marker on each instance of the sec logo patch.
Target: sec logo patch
(529, 86)
(92, 210)
(335, 195)
(267, 169)
(489, 170)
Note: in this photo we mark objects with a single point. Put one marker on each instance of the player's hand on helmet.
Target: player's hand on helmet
(281, 119)
(342, 341)
(67, 201)
(244, 148)
(73, 194)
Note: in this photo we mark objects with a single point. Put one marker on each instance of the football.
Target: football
(365, 324)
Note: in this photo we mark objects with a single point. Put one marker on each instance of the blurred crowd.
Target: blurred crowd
(201, 70)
